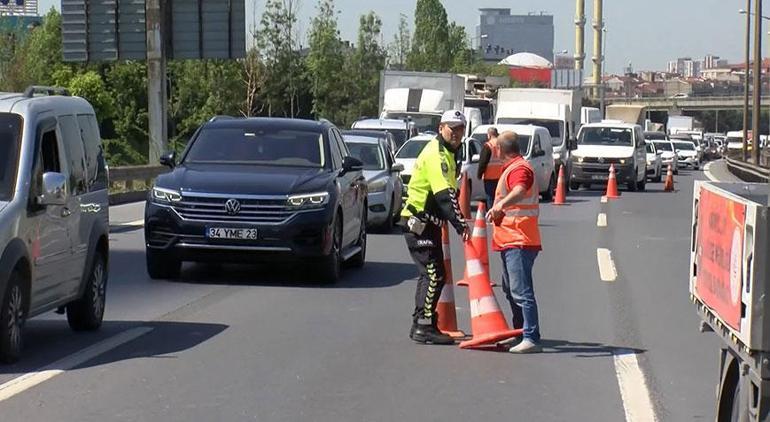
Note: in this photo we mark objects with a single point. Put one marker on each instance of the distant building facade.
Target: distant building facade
(500, 34)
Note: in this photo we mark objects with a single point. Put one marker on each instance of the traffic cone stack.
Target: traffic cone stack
(464, 198)
(447, 314)
(478, 242)
(487, 320)
(561, 189)
(612, 185)
(669, 186)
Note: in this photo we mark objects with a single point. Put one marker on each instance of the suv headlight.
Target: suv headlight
(378, 185)
(310, 200)
(165, 195)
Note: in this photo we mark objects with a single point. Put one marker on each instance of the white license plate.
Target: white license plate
(599, 177)
(227, 233)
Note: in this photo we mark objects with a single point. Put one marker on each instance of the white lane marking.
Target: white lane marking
(707, 172)
(31, 379)
(604, 199)
(135, 223)
(607, 271)
(601, 220)
(633, 387)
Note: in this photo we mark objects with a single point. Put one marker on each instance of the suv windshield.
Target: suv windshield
(10, 138)
(399, 136)
(650, 149)
(411, 149)
(264, 146)
(664, 146)
(606, 136)
(423, 122)
(687, 146)
(554, 127)
(368, 153)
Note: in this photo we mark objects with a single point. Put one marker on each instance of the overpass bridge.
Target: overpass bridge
(690, 103)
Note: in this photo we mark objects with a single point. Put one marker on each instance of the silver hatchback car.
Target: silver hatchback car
(54, 221)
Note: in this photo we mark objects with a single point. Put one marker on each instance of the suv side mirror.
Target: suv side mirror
(54, 186)
(168, 160)
(397, 168)
(351, 164)
(572, 144)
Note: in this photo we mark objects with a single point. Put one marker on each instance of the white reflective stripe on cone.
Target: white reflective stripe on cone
(475, 267)
(479, 231)
(447, 295)
(483, 306)
(522, 213)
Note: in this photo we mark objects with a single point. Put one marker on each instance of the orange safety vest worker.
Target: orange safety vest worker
(519, 226)
(495, 166)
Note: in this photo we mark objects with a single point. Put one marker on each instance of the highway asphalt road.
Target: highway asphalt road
(233, 343)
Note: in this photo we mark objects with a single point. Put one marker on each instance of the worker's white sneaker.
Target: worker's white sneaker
(526, 346)
(509, 342)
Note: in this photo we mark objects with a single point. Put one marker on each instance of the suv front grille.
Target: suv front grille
(253, 209)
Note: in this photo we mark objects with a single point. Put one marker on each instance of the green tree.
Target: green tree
(430, 47)
(459, 48)
(401, 45)
(127, 85)
(35, 59)
(284, 82)
(367, 62)
(91, 86)
(325, 63)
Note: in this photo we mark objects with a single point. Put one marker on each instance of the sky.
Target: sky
(646, 33)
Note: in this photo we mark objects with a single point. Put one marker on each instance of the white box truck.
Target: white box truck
(420, 97)
(557, 110)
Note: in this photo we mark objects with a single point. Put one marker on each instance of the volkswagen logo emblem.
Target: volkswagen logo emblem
(232, 206)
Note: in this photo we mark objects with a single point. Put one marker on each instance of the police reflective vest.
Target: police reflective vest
(434, 171)
(519, 227)
(495, 166)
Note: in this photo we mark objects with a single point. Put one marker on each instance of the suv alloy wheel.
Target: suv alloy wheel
(12, 318)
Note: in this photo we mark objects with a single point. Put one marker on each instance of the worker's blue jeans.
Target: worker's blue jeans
(517, 284)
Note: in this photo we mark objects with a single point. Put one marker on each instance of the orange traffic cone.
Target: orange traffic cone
(561, 189)
(669, 186)
(464, 198)
(612, 184)
(447, 314)
(487, 320)
(478, 242)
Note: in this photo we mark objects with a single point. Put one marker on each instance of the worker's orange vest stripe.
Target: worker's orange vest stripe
(495, 166)
(519, 227)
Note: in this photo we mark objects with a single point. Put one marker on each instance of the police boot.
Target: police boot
(428, 332)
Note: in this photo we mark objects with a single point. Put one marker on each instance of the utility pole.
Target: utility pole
(157, 101)
(757, 78)
(746, 86)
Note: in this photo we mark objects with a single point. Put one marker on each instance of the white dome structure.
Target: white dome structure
(527, 60)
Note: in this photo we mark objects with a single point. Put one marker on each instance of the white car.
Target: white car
(687, 154)
(601, 145)
(401, 130)
(654, 162)
(469, 159)
(536, 147)
(668, 154)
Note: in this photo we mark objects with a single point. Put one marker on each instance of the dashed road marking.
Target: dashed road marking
(31, 379)
(607, 271)
(604, 199)
(135, 223)
(637, 403)
(601, 220)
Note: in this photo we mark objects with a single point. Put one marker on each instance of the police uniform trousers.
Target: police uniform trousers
(427, 253)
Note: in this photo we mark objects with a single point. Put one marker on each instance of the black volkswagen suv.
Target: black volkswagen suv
(259, 189)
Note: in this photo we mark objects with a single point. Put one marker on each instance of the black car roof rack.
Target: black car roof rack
(45, 90)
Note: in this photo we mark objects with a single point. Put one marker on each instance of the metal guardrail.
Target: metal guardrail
(131, 183)
(748, 172)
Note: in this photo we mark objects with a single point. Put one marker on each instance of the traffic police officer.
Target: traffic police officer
(431, 203)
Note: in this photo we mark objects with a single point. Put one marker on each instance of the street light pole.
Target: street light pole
(603, 86)
(757, 78)
(746, 85)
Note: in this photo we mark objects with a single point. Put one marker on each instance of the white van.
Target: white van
(600, 145)
(536, 147)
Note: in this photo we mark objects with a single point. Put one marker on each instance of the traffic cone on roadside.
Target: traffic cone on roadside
(447, 314)
(561, 189)
(464, 198)
(669, 186)
(478, 241)
(488, 323)
(612, 184)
